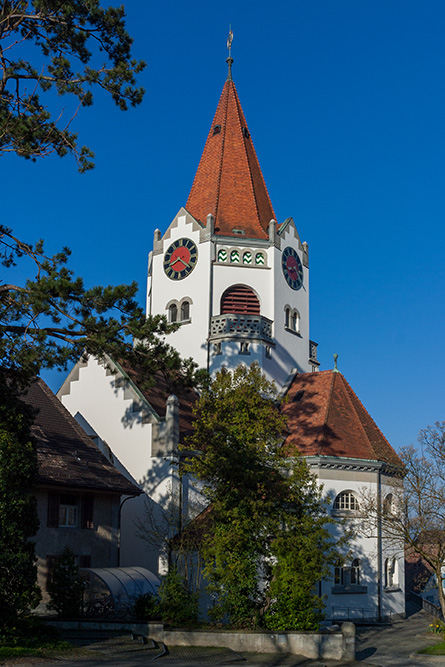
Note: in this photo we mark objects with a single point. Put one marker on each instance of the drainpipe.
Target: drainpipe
(209, 234)
(379, 544)
(119, 529)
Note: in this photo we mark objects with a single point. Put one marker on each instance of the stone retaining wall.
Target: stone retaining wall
(330, 645)
(339, 645)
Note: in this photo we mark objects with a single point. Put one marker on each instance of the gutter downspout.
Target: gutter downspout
(119, 528)
(379, 544)
(209, 229)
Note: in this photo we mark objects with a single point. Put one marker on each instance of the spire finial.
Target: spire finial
(229, 60)
(335, 363)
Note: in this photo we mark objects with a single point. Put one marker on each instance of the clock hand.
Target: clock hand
(179, 259)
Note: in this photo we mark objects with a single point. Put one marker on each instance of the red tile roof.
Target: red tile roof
(158, 394)
(66, 455)
(229, 183)
(325, 418)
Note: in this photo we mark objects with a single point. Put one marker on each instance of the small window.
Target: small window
(247, 258)
(68, 511)
(387, 505)
(348, 575)
(259, 259)
(216, 129)
(391, 573)
(287, 318)
(244, 348)
(346, 501)
(217, 349)
(246, 132)
(292, 319)
(355, 572)
(234, 256)
(222, 255)
(185, 311)
(268, 352)
(173, 313)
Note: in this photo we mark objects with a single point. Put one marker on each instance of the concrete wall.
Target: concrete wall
(328, 645)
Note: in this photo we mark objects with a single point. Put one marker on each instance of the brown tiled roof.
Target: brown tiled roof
(325, 418)
(66, 455)
(229, 183)
(157, 397)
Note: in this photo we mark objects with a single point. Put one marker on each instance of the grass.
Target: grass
(437, 649)
(30, 637)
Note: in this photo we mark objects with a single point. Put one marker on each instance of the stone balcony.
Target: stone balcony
(235, 325)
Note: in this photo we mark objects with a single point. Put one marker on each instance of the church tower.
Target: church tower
(236, 281)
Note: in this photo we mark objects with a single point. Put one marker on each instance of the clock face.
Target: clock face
(180, 259)
(292, 268)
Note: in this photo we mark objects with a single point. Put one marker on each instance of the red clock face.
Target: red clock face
(180, 259)
(292, 268)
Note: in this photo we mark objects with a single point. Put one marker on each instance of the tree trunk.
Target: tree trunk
(438, 573)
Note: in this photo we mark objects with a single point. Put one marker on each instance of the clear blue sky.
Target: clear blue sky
(345, 103)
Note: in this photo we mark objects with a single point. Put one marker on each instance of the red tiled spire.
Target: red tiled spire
(229, 183)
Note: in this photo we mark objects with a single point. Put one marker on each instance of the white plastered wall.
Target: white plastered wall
(102, 407)
(191, 339)
(364, 546)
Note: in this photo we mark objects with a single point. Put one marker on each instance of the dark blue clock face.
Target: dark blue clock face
(292, 268)
(180, 259)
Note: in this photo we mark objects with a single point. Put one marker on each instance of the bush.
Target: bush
(65, 587)
(146, 607)
(178, 606)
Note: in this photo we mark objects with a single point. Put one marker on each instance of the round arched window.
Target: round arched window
(240, 299)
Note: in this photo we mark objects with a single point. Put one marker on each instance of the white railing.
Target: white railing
(236, 325)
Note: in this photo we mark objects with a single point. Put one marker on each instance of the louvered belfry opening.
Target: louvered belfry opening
(240, 299)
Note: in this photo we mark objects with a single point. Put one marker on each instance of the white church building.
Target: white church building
(238, 283)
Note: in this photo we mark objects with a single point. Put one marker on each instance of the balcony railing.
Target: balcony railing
(245, 326)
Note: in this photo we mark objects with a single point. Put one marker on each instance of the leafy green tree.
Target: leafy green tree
(65, 587)
(46, 321)
(269, 542)
(18, 514)
(51, 318)
(72, 47)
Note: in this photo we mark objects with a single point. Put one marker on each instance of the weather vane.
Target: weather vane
(229, 60)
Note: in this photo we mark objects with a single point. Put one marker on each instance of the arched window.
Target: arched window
(173, 313)
(259, 259)
(391, 572)
(349, 576)
(240, 299)
(387, 505)
(222, 255)
(247, 258)
(287, 318)
(185, 311)
(355, 572)
(292, 319)
(234, 256)
(346, 501)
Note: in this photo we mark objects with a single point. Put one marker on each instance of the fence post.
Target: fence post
(348, 632)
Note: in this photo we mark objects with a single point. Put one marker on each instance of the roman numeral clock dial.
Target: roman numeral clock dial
(292, 268)
(180, 259)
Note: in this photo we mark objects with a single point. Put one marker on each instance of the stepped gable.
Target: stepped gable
(157, 397)
(66, 455)
(325, 418)
(229, 183)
